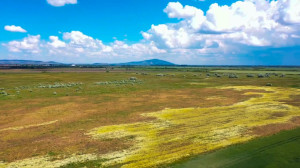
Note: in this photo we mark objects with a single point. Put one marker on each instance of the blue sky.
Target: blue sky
(249, 32)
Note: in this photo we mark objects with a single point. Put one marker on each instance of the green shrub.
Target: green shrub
(4, 93)
(233, 76)
(59, 85)
(267, 75)
(250, 75)
(260, 76)
(218, 75)
(121, 82)
(132, 78)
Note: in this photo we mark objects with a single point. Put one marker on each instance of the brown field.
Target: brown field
(35, 122)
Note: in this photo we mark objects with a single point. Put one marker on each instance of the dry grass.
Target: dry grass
(177, 133)
(295, 100)
(76, 115)
(131, 128)
(275, 128)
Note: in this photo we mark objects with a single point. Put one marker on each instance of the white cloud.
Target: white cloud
(176, 10)
(220, 33)
(166, 36)
(77, 44)
(61, 2)
(249, 22)
(14, 28)
(56, 43)
(193, 16)
(289, 11)
(30, 44)
(77, 38)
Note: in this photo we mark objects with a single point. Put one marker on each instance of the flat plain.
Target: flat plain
(149, 117)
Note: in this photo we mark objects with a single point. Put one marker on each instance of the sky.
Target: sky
(195, 32)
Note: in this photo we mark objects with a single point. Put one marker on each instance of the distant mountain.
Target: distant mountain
(101, 64)
(151, 62)
(27, 62)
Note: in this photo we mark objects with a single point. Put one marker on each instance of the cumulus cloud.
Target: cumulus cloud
(171, 37)
(176, 10)
(30, 44)
(56, 43)
(80, 42)
(61, 2)
(253, 23)
(289, 12)
(77, 44)
(220, 33)
(14, 28)
(78, 39)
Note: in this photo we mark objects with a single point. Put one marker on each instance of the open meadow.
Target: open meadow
(150, 117)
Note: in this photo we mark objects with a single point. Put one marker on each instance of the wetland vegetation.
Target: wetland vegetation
(153, 116)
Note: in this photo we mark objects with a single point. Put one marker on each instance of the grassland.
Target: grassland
(76, 118)
(279, 150)
(257, 72)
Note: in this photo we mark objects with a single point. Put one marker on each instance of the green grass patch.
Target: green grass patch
(257, 72)
(279, 150)
(86, 164)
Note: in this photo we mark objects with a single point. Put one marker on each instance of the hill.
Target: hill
(151, 62)
(26, 62)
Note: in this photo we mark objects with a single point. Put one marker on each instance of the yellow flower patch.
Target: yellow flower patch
(179, 133)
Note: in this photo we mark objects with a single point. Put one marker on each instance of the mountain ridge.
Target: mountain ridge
(150, 62)
(27, 62)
